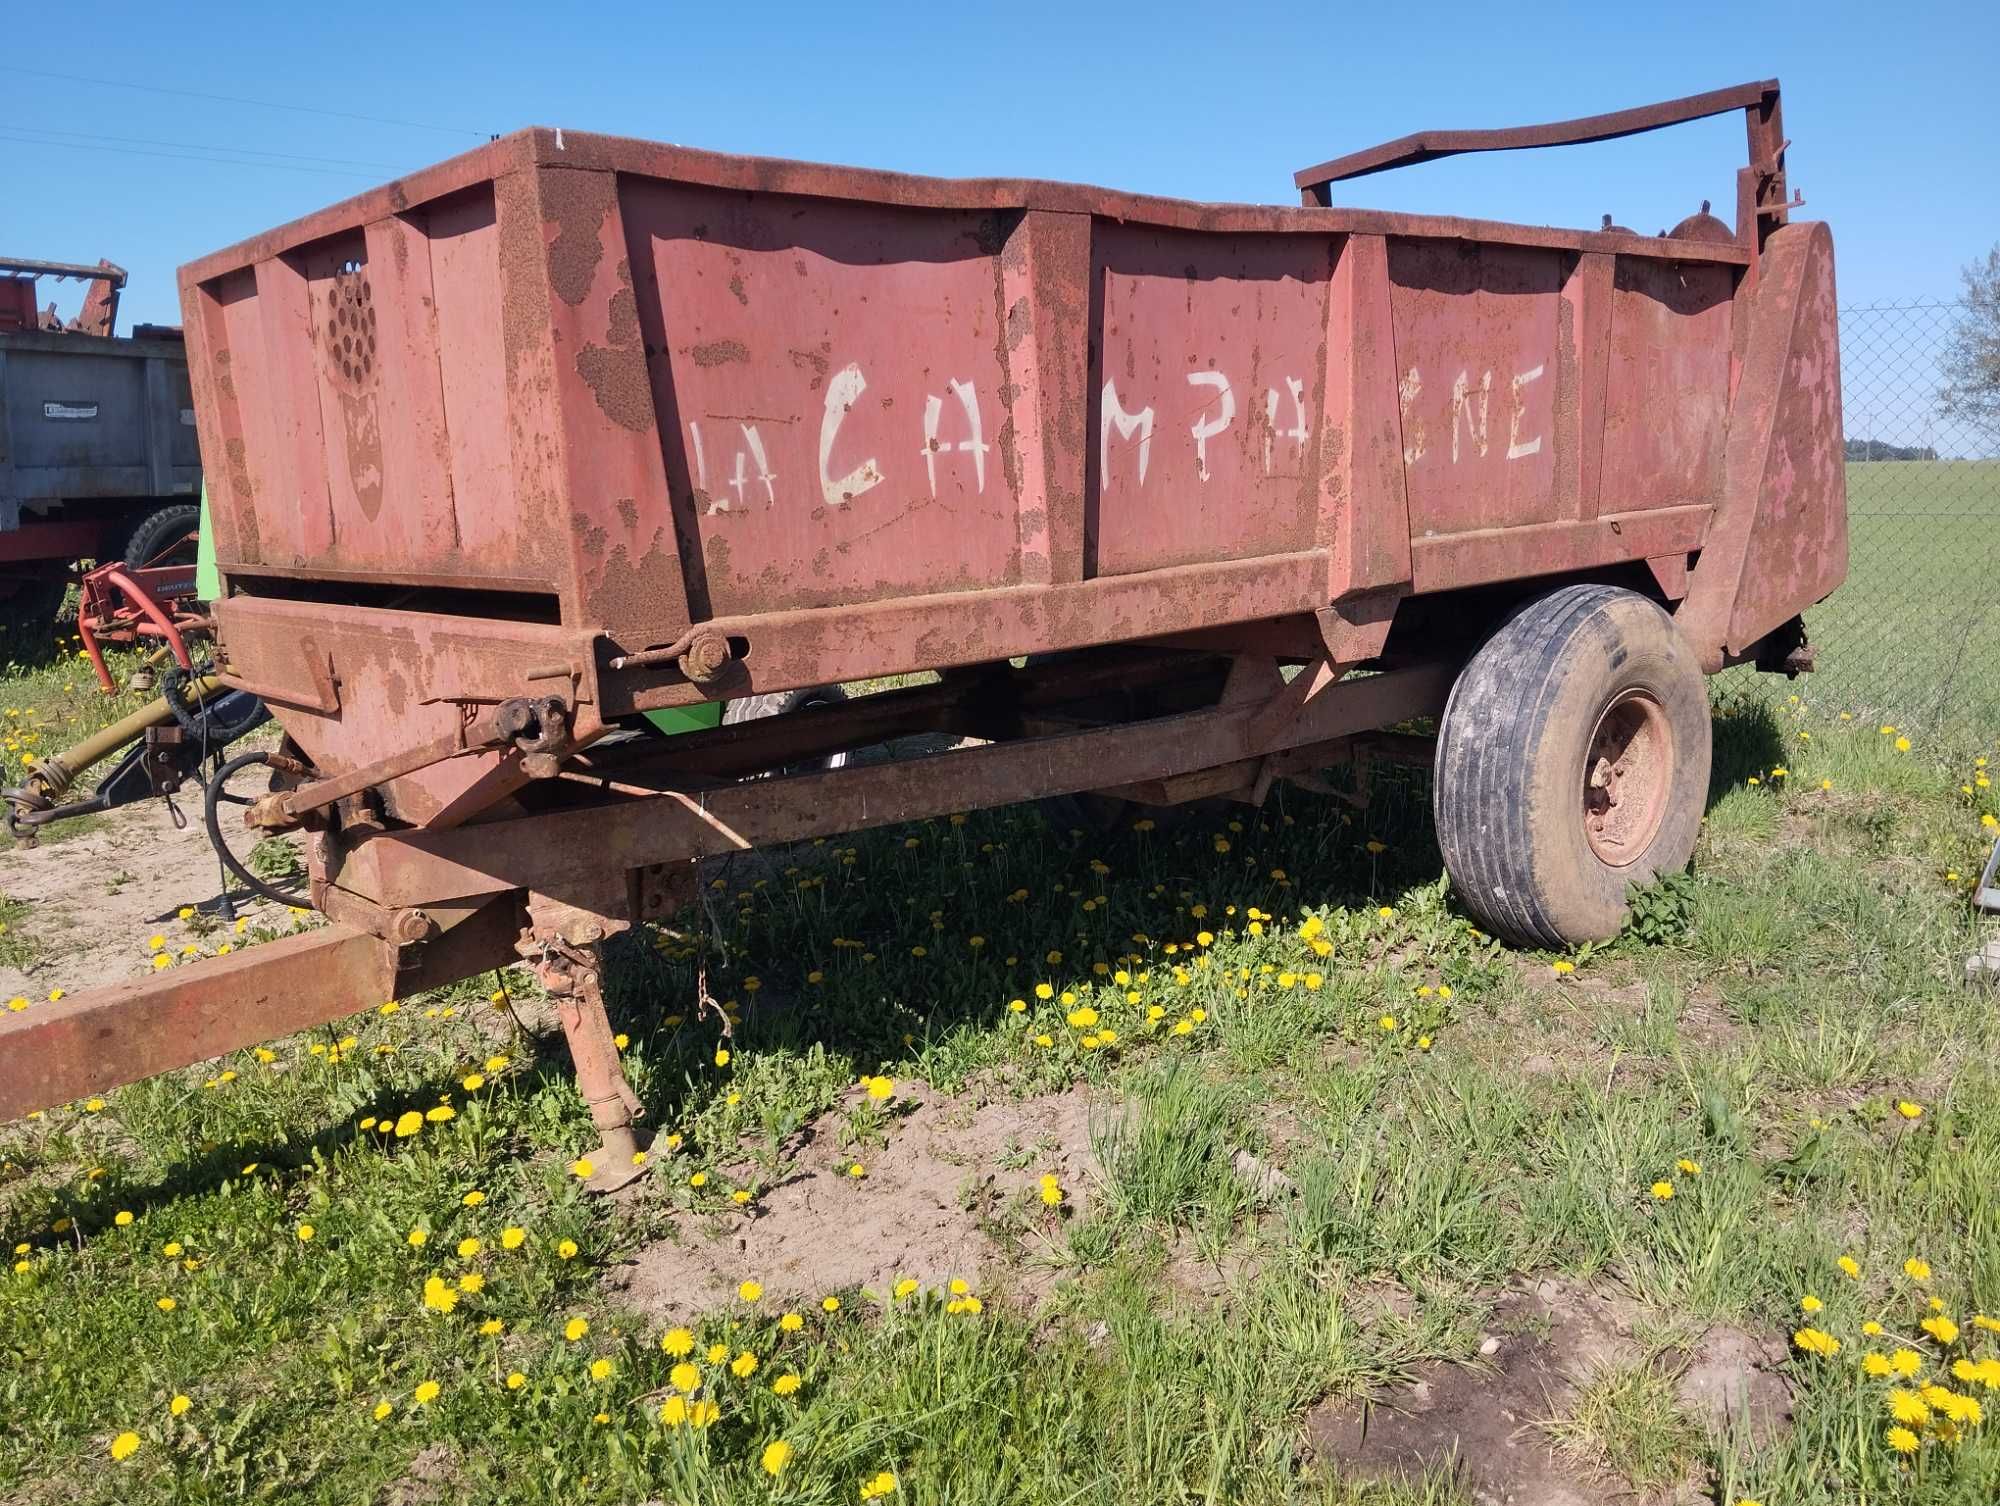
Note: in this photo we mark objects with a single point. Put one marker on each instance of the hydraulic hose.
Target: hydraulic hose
(211, 819)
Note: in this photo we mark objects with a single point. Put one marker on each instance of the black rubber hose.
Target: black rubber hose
(211, 818)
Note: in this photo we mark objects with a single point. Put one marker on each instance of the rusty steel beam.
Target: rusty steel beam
(94, 1041)
(559, 852)
(1428, 146)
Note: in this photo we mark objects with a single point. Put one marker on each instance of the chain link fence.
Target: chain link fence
(1914, 634)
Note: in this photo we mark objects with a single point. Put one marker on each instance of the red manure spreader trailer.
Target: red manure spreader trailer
(571, 429)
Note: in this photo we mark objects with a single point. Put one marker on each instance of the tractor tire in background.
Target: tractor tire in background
(165, 536)
(1572, 763)
(755, 707)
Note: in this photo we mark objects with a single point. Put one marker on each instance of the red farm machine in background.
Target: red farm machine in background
(573, 429)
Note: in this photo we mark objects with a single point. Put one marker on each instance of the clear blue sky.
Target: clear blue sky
(1892, 109)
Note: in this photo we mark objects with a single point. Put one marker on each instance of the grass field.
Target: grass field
(1229, 1126)
(1324, 1139)
(1915, 632)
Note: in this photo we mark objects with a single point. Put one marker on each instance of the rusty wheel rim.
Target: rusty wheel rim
(1627, 773)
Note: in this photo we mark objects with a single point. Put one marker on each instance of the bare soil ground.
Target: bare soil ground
(1547, 1339)
(928, 1207)
(95, 897)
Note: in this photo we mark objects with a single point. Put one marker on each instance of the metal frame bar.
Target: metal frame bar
(1427, 146)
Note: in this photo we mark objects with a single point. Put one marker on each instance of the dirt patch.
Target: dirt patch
(431, 1476)
(927, 1208)
(94, 898)
(1545, 1339)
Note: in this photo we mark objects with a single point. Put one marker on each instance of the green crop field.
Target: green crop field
(1914, 635)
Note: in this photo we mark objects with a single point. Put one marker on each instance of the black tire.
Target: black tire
(1572, 763)
(164, 537)
(756, 707)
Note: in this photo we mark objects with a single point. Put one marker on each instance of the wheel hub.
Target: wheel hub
(1627, 773)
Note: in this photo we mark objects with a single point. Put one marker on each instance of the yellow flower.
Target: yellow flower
(1906, 1362)
(1872, 1328)
(674, 1411)
(122, 1219)
(439, 1296)
(513, 1237)
(492, 1328)
(566, 1249)
(743, 1365)
(906, 1286)
(880, 1485)
(1902, 745)
(684, 1377)
(1810, 1303)
(677, 1342)
(1082, 1019)
(425, 1394)
(1940, 1328)
(467, 1248)
(408, 1124)
(775, 1457)
(1906, 1406)
(1817, 1341)
(179, 1405)
(1909, 1110)
(124, 1446)
(791, 1323)
(880, 1088)
(1689, 1168)
(600, 1369)
(166, 1304)
(722, 1056)
(1902, 1440)
(1850, 1265)
(516, 1380)
(1662, 1190)
(1916, 1269)
(576, 1328)
(750, 1291)
(786, 1384)
(702, 1413)
(1562, 966)
(583, 1168)
(1875, 1363)
(381, 1411)
(472, 1283)
(717, 1353)
(829, 1304)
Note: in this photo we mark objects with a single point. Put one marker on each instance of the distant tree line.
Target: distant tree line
(1875, 449)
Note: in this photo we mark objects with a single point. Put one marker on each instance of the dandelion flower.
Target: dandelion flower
(906, 1287)
(166, 1304)
(674, 1411)
(717, 1353)
(1909, 1110)
(1562, 966)
(1662, 1190)
(1916, 1269)
(786, 1384)
(829, 1304)
(583, 1168)
(722, 1056)
(1875, 1363)
(1687, 1167)
(1940, 1328)
(743, 1366)
(775, 1457)
(408, 1124)
(750, 1291)
(1849, 1265)
(878, 1486)
(880, 1088)
(513, 1237)
(124, 1446)
(677, 1342)
(576, 1328)
(1809, 1303)
(472, 1283)
(685, 1377)
(179, 1405)
(1817, 1341)
(1907, 1406)
(1906, 1362)
(492, 1328)
(1872, 1328)
(600, 1369)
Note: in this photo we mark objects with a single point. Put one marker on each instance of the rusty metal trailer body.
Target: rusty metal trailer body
(572, 428)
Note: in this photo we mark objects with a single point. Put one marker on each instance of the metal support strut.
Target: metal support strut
(571, 976)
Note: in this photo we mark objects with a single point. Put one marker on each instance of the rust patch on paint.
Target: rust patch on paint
(720, 353)
(577, 204)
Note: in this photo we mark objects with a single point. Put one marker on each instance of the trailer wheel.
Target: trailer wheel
(755, 707)
(1572, 763)
(163, 537)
